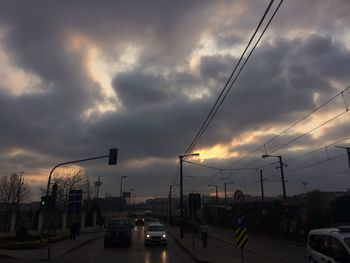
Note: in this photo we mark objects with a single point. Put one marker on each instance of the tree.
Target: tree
(318, 209)
(340, 209)
(74, 179)
(13, 190)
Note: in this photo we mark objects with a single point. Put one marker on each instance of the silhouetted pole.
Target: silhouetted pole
(262, 186)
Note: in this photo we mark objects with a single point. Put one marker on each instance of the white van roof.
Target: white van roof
(335, 231)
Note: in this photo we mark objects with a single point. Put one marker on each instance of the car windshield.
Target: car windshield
(156, 228)
(118, 223)
(347, 242)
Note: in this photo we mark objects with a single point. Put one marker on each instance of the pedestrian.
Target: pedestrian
(73, 230)
(204, 233)
(77, 228)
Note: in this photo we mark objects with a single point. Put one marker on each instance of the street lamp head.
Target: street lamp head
(342, 147)
(188, 155)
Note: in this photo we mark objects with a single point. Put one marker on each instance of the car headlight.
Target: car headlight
(164, 236)
(148, 236)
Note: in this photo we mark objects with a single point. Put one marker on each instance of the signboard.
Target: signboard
(241, 237)
(238, 197)
(241, 220)
(126, 194)
(75, 199)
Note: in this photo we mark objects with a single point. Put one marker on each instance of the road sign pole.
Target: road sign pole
(242, 255)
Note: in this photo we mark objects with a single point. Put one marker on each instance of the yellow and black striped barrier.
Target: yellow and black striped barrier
(241, 237)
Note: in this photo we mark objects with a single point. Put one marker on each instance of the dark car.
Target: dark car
(139, 221)
(118, 232)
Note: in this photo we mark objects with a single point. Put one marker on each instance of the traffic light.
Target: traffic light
(113, 154)
(43, 200)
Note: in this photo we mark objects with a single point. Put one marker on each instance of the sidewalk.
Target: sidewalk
(285, 251)
(217, 251)
(58, 249)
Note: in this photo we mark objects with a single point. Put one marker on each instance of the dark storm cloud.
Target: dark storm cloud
(158, 118)
(139, 90)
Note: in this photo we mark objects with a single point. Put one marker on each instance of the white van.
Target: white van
(329, 245)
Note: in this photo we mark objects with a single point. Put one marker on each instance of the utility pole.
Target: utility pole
(262, 186)
(225, 184)
(181, 157)
(131, 189)
(304, 184)
(98, 183)
(121, 185)
(282, 173)
(282, 177)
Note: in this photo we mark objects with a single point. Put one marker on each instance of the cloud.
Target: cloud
(301, 62)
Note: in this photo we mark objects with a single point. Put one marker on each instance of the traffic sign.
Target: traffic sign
(241, 220)
(238, 196)
(241, 237)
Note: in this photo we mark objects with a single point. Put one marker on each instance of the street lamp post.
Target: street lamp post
(170, 206)
(121, 185)
(282, 173)
(181, 157)
(217, 200)
(226, 192)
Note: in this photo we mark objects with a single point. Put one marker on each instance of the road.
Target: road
(95, 252)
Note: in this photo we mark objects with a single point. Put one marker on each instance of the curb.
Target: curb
(57, 257)
(188, 251)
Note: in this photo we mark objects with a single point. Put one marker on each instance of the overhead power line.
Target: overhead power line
(310, 131)
(219, 169)
(227, 88)
(291, 126)
(317, 163)
(316, 150)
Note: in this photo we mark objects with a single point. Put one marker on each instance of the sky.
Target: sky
(80, 77)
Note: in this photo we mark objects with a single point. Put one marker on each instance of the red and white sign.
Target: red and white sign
(238, 196)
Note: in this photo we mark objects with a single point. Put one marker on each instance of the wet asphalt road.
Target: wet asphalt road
(136, 253)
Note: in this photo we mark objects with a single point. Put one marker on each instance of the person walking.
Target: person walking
(73, 230)
(204, 233)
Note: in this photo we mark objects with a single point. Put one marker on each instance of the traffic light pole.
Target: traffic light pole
(112, 160)
(60, 164)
